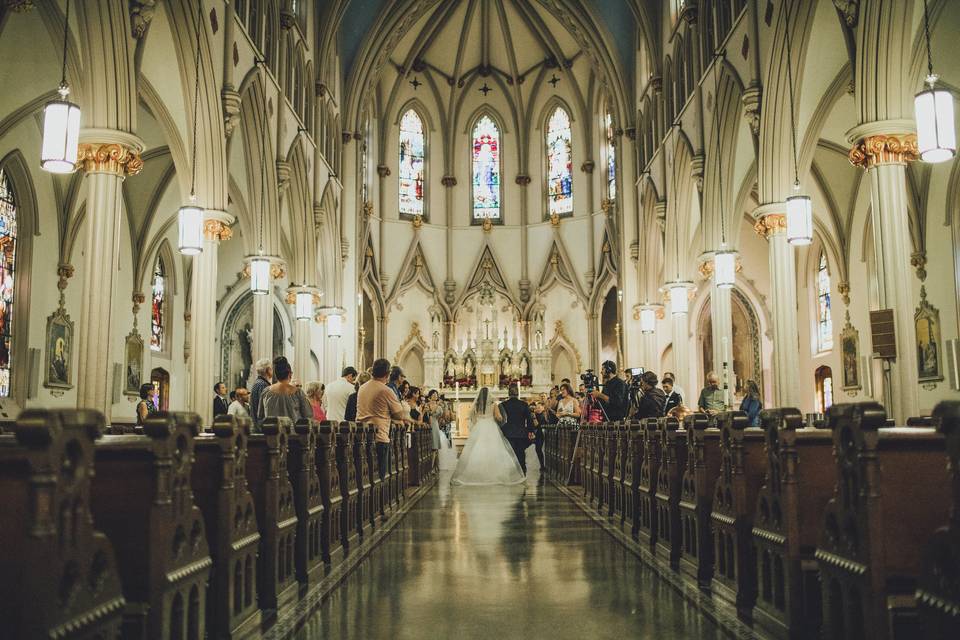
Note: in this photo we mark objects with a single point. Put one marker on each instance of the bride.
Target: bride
(487, 457)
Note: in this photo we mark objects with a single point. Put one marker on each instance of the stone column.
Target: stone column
(203, 314)
(885, 158)
(106, 163)
(262, 346)
(721, 320)
(680, 331)
(771, 224)
(302, 335)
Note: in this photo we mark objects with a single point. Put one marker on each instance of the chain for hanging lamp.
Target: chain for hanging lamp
(933, 111)
(799, 205)
(725, 258)
(61, 122)
(190, 216)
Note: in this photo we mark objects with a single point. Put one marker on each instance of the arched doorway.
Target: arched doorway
(160, 379)
(236, 346)
(823, 378)
(609, 349)
(747, 364)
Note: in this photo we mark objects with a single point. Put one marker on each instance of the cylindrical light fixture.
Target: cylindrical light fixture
(259, 276)
(725, 268)
(678, 298)
(936, 132)
(648, 320)
(334, 325)
(190, 229)
(799, 219)
(61, 122)
(304, 305)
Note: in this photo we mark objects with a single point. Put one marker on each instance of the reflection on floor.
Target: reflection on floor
(502, 563)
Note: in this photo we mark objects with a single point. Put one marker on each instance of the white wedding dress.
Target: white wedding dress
(487, 458)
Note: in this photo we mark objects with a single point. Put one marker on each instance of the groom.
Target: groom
(518, 424)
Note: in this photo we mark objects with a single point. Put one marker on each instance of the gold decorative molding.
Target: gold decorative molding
(64, 273)
(487, 225)
(872, 151)
(771, 224)
(216, 230)
(278, 271)
(417, 221)
(291, 297)
(706, 269)
(367, 210)
(109, 158)
(555, 219)
(606, 205)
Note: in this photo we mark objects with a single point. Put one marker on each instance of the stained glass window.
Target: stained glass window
(559, 164)
(158, 308)
(824, 317)
(8, 245)
(486, 169)
(611, 158)
(412, 154)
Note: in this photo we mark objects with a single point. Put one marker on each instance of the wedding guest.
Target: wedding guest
(350, 412)
(568, 409)
(315, 394)
(752, 404)
(240, 406)
(412, 397)
(396, 381)
(651, 401)
(147, 403)
(378, 403)
(284, 398)
(711, 397)
(677, 389)
(338, 392)
(220, 405)
(674, 398)
(264, 378)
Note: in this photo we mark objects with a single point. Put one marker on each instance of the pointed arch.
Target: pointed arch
(486, 167)
(412, 154)
(557, 127)
(414, 272)
(487, 270)
(558, 270)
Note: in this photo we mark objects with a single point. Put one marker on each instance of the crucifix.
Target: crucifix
(485, 89)
(553, 80)
(487, 329)
(415, 83)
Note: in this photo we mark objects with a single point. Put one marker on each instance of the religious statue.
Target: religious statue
(538, 340)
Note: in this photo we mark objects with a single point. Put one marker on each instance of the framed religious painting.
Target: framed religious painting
(926, 321)
(133, 363)
(850, 356)
(59, 349)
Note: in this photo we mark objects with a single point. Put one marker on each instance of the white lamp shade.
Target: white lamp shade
(936, 131)
(678, 300)
(61, 135)
(725, 269)
(799, 220)
(334, 325)
(648, 320)
(304, 305)
(190, 228)
(260, 276)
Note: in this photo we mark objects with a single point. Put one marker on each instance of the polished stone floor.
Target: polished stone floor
(503, 563)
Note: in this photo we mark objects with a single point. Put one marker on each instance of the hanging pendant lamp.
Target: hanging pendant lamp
(259, 275)
(304, 304)
(334, 324)
(724, 259)
(725, 268)
(61, 122)
(648, 320)
(933, 110)
(190, 216)
(799, 205)
(679, 304)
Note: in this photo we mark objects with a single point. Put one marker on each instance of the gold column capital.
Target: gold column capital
(216, 230)
(770, 224)
(896, 148)
(110, 157)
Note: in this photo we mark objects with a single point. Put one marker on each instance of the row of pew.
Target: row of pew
(845, 532)
(172, 531)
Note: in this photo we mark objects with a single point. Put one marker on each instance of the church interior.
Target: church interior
(485, 193)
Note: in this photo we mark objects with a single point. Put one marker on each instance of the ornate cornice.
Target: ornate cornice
(771, 224)
(898, 148)
(216, 230)
(449, 181)
(109, 158)
(141, 14)
(522, 179)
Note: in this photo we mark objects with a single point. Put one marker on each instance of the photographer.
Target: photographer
(614, 398)
(651, 399)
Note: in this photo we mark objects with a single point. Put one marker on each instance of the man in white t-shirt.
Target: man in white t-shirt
(338, 392)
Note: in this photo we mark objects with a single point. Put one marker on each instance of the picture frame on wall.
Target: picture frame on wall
(926, 322)
(133, 363)
(58, 372)
(850, 356)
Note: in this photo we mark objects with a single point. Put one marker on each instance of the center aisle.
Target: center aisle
(518, 562)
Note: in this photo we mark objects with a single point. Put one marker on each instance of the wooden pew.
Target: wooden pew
(276, 513)
(799, 483)
(599, 466)
(59, 574)
(219, 481)
(646, 529)
(586, 460)
(696, 498)
(333, 534)
(378, 503)
(608, 483)
(361, 467)
(619, 473)
(673, 462)
(938, 590)
(307, 501)
(888, 501)
(633, 457)
(742, 465)
(141, 498)
(348, 487)
(412, 454)
(398, 461)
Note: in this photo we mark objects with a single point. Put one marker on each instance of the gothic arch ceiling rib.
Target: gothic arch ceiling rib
(487, 270)
(414, 272)
(559, 270)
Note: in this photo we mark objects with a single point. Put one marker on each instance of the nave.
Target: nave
(504, 562)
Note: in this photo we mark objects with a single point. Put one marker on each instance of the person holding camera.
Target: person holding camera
(614, 398)
(651, 399)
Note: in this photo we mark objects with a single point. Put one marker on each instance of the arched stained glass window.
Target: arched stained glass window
(8, 246)
(611, 157)
(412, 157)
(486, 169)
(559, 164)
(824, 316)
(158, 307)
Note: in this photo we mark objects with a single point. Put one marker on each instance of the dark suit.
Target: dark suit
(220, 406)
(518, 427)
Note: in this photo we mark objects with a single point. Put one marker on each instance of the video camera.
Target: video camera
(589, 380)
(635, 374)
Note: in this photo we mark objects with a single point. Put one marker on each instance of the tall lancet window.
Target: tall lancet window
(412, 157)
(824, 316)
(8, 246)
(611, 157)
(486, 170)
(158, 307)
(559, 164)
